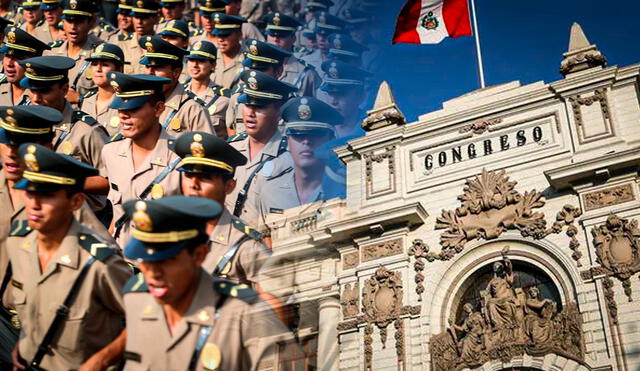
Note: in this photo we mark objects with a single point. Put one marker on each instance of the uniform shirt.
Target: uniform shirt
(190, 115)
(127, 183)
(103, 30)
(310, 81)
(119, 36)
(132, 54)
(249, 31)
(84, 82)
(271, 150)
(228, 76)
(107, 117)
(84, 141)
(251, 255)
(95, 317)
(314, 59)
(6, 95)
(244, 333)
(43, 33)
(254, 10)
(233, 115)
(216, 105)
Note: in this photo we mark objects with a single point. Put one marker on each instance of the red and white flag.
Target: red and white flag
(431, 21)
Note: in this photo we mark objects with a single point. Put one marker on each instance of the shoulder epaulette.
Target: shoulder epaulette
(239, 291)
(96, 247)
(236, 137)
(90, 93)
(125, 36)
(239, 88)
(239, 225)
(116, 138)
(196, 32)
(3, 78)
(20, 228)
(192, 24)
(85, 117)
(135, 284)
(219, 90)
(57, 43)
(106, 26)
(193, 96)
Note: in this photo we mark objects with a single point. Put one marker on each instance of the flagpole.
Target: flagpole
(478, 51)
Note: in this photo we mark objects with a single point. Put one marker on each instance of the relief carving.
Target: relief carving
(512, 321)
(381, 250)
(608, 197)
(617, 245)
(599, 96)
(479, 127)
(370, 158)
(350, 300)
(350, 260)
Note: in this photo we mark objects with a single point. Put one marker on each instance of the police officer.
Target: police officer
(260, 56)
(326, 24)
(227, 31)
(183, 110)
(104, 59)
(179, 317)
(281, 31)
(174, 10)
(200, 62)
(139, 166)
(125, 23)
(20, 45)
(32, 16)
(261, 142)
(208, 8)
(309, 123)
(77, 18)
(145, 17)
(58, 262)
(50, 31)
(175, 32)
(343, 48)
(10, 11)
(250, 29)
(78, 135)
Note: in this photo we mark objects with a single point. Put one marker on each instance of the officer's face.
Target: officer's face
(207, 23)
(210, 186)
(233, 8)
(260, 121)
(199, 69)
(52, 97)
(48, 212)
(144, 25)
(32, 16)
(310, 42)
(173, 281)
(229, 44)
(125, 22)
(302, 148)
(10, 162)
(323, 43)
(76, 29)
(137, 123)
(173, 11)
(284, 42)
(180, 42)
(53, 16)
(12, 69)
(168, 71)
(346, 102)
(100, 70)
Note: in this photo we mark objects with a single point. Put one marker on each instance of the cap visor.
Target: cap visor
(170, 33)
(199, 57)
(223, 32)
(155, 61)
(27, 185)
(251, 101)
(201, 169)
(128, 103)
(279, 33)
(142, 251)
(27, 83)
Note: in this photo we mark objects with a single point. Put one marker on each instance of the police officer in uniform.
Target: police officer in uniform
(105, 58)
(200, 62)
(56, 261)
(78, 135)
(31, 16)
(179, 317)
(281, 31)
(228, 32)
(125, 23)
(175, 32)
(183, 110)
(145, 17)
(207, 13)
(262, 141)
(77, 19)
(326, 24)
(20, 45)
(50, 31)
(140, 165)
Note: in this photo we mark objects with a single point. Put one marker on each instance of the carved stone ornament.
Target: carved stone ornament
(512, 321)
(350, 300)
(479, 127)
(617, 245)
(599, 96)
(381, 250)
(608, 197)
(350, 260)
(385, 111)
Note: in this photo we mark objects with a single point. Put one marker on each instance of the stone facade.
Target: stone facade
(519, 200)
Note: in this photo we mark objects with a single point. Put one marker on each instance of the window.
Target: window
(298, 358)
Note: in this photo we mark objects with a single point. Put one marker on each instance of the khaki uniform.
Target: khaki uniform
(314, 59)
(127, 183)
(249, 258)
(301, 75)
(43, 33)
(119, 37)
(249, 31)
(254, 10)
(132, 54)
(107, 117)
(234, 112)
(6, 95)
(82, 83)
(216, 103)
(276, 147)
(228, 76)
(103, 30)
(95, 317)
(190, 114)
(243, 331)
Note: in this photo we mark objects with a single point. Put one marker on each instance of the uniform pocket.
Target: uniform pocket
(70, 333)
(114, 196)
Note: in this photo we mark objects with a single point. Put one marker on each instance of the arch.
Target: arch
(549, 362)
(544, 254)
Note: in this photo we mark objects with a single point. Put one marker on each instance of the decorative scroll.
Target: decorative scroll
(608, 197)
(381, 250)
(479, 127)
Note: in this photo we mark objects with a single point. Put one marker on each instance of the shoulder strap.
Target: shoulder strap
(84, 67)
(55, 44)
(202, 338)
(242, 227)
(20, 228)
(236, 137)
(61, 314)
(239, 291)
(135, 284)
(98, 249)
(3, 78)
(226, 258)
(84, 117)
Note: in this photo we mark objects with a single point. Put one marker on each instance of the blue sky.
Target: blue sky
(521, 40)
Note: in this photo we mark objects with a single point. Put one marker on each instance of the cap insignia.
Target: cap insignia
(322, 18)
(140, 4)
(30, 159)
(253, 49)
(141, 219)
(252, 82)
(337, 42)
(100, 48)
(10, 119)
(333, 71)
(197, 45)
(73, 4)
(208, 4)
(148, 45)
(304, 111)
(114, 84)
(276, 19)
(11, 37)
(217, 19)
(197, 149)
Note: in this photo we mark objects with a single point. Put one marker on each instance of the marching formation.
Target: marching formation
(144, 144)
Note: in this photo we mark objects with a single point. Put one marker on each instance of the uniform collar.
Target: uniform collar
(175, 98)
(4, 193)
(270, 149)
(292, 65)
(86, 48)
(68, 253)
(159, 156)
(222, 231)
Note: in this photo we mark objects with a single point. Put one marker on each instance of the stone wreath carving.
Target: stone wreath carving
(490, 205)
(617, 244)
(511, 321)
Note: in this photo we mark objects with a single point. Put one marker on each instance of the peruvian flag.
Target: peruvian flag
(430, 21)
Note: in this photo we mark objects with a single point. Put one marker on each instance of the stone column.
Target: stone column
(328, 317)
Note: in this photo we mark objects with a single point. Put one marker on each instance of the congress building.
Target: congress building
(498, 233)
